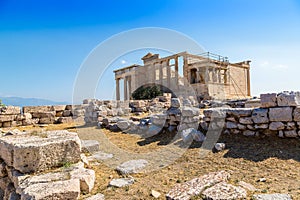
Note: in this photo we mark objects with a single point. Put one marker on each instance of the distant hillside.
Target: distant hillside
(19, 101)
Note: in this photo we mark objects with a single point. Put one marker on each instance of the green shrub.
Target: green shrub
(146, 92)
(1, 104)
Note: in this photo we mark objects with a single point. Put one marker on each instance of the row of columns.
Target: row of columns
(211, 75)
(127, 87)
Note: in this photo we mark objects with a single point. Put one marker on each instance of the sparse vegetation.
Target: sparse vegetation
(66, 164)
(146, 92)
(37, 133)
(1, 104)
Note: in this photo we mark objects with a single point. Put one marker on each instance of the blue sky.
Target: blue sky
(43, 43)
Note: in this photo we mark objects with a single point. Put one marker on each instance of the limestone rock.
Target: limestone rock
(291, 133)
(190, 134)
(291, 126)
(231, 125)
(224, 191)
(196, 186)
(86, 177)
(124, 124)
(159, 119)
(59, 107)
(36, 109)
(99, 156)
(260, 116)
(7, 118)
(247, 186)
(249, 133)
(274, 126)
(190, 111)
(175, 102)
(246, 120)
(3, 171)
(69, 189)
(281, 114)
(268, 100)
(132, 166)
(39, 152)
(10, 110)
(155, 194)
(261, 126)
(220, 146)
(240, 112)
(288, 99)
(98, 196)
(121, 182)
(89, 146)
(65, 120)
(272, 197)
(296, 114)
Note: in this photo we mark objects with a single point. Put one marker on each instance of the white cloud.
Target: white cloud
(269, 65)
(264, 64)
(123, 62)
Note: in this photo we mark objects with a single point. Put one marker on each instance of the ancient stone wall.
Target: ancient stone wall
(12, 116)
(279, 115)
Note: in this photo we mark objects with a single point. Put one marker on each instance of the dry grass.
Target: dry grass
(247, 159)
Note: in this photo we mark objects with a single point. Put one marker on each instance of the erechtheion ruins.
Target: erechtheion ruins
(207, 75)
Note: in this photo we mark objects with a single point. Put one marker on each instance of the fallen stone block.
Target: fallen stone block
(196, 186)
(86, 177)
(124, 124)
(247, 186)
(190, 134)
(132, 166)
(100, 156)
(159, 119)
(225, 191)
(272, 197)
(121, 182)
(281, 114)
(69, 189)
(96, 197)
(31, 153)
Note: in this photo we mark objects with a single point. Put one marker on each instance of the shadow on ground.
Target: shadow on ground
(260, 148)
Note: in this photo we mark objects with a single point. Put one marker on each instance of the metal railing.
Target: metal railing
(213, 56)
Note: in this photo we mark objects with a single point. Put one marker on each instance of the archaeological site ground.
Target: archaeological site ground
(203, 137)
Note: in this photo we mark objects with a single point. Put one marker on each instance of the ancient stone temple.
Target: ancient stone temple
(207, 76)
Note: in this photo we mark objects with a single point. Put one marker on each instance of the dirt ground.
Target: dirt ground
(247, 159)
